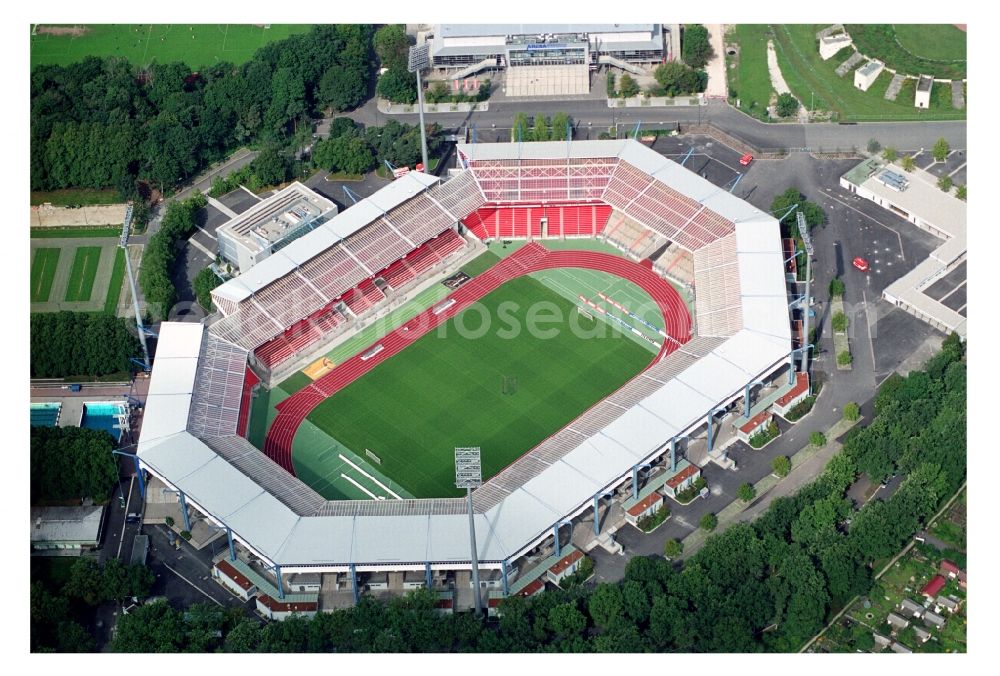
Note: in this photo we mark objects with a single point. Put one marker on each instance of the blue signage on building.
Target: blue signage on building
(533, 47)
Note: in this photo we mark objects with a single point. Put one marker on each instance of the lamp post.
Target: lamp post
(418, 61)
(469, 475)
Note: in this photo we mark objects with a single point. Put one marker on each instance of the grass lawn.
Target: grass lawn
(115, 286)
(76, 196)
(43, 270)
(197, 45)
(69, 233)
(81, 276)
(501, 393)
(940, 42)
(938, 50)
(749, 81)
(815, 82)
(481, 263)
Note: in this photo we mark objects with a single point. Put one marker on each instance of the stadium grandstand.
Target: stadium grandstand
(346, 269)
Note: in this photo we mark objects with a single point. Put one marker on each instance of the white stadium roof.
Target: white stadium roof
(288, 524)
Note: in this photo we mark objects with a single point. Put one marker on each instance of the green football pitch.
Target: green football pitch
(197, 45)
(472, 382)
(81, 276)
(43, 271)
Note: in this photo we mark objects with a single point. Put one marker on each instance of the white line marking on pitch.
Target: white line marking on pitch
(381, 485)
(373, 496)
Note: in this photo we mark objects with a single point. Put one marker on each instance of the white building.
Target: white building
(268, 225)
(922, 97)
(59, 531)
(867, 74)
(831, 44)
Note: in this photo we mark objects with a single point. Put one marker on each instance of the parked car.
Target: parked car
(860, 263)
(746, 159)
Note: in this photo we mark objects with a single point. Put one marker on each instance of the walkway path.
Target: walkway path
(716, 67)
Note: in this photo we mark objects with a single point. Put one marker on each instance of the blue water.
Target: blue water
(102, 417)
(45, 414)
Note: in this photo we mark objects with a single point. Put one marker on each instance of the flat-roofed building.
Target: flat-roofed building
(922, 97)
(272, 223)
(61, 531)
(867, 74)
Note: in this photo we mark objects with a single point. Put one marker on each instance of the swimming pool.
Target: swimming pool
(103, 416)
(45, 414)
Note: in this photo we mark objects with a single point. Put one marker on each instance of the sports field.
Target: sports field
(197, 45)
(43, 271)
(474, 381)
(81, 276)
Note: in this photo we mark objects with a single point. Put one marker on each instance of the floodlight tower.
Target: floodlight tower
(123, 243)
(418, 61)
(469, 475)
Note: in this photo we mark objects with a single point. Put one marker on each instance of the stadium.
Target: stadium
(633, 411)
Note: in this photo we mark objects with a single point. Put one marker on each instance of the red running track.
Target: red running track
(530, 258)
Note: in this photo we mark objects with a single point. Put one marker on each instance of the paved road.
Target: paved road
(594, 114)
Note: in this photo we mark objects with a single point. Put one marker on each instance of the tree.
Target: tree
(204, 283)
(709, 522)
(851, 411)
(606, 606)
(80, 343)
(519, 130)
(611, 85)
(746, 492)
(562, 124)
(154, 627)
(397, 85)
(392, 46)
(675, 79)
(787, 105)
(817, 439)
(672, 548)
(244, 637)
(908, 163)
(961, 192)
(874, 146)
(889, 154)
(343, 88)
(839, 321)
(271, 167)
(70, 463)
(944, 183)
(836, 287)
(628, 87)
(845, 358)
(541, 130)
(437, 92)
(697, 49)
(781, 465)
(566, 621)
(940, 150)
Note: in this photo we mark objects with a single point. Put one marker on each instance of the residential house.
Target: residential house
(899, 648)
(897, 622)
(911, 608)
(922, 634)
(934, 587)
(949, 603)
(933, 619)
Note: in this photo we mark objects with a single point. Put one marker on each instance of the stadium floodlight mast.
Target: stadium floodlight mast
(123, 243)
(420, 59)
(469, 475)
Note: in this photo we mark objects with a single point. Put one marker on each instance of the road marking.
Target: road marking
(868, 327)
(201, 246)
(960, 168)
(175, 572)
(951, 292)
(207, 232)
(902, 254)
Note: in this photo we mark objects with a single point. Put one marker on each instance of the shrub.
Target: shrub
(908, 163)
(169, 521)
(760, 439)
(851, 411)
(817, 439)
(673, 548)
(746, 492)
(611, 85)
(836, 287)
(890, 154)
(629, 87)
(186, 534)
(845, 358)
(874, 146)
(945, 183)
(800, 409)
(787, 105)
(709, 522)
(648, 523)
(960, 192)
(781, 466)
(839, 322)
(940, 150)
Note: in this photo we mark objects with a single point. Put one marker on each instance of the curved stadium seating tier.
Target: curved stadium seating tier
(193, 413)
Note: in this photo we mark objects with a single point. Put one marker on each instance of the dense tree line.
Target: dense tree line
(204, 283)
(768, 585)
(392, 46)
(543, 129)
(676, 79)
(70, 463)
(58, 615)
(156, 271)
(270, 168)
(354, 150)
(80, 344)
(105, 123)
(697, 48)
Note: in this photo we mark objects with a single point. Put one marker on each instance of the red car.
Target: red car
(746, 159)
(861, 264)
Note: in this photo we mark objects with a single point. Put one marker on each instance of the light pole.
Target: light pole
(469, 475)
(418, 61)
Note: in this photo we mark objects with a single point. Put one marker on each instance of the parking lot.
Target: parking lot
(953, 166)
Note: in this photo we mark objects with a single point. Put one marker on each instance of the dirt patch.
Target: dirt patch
(47, 215)
(72, 31)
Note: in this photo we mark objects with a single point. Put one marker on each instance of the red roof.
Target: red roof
(801, 385)
(276, 606)
(755, 422)
(948, 568)
(234, 575)
(565, 562)
(683, 476)
(532, 588)
(933, 587)
(645, 504)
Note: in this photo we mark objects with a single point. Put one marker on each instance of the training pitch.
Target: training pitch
(500, 389)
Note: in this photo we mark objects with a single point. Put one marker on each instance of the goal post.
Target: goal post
(374, 458)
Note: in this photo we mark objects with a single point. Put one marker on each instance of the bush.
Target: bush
(204, 283)
(890, 154)
(845, 358)
(839, 321)
(673, 548)
(908, 163)
(585, 570)
(836, 287)
(611, 85)
(781, 466)
(169, 521)
(874, 146)
(709, 522)
(760, 439)
(696, 49)
(940, 150)
(186, 534)
(817, 439)
(851, 411)
(746, 492)
(945, 183)
(961, 192)
(787, 105)
(629, 87)
(800, 409)
(648, 523)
